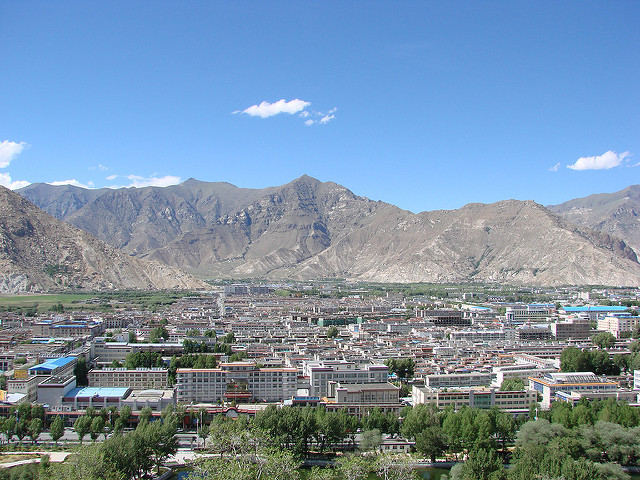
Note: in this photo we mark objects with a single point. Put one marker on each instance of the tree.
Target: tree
(332, 332)
(604, 340)
(82, 426)
(395, 467)
(80, 371)
(203, 433)
(145, 415)
(9, 427)
(35, 429)
(159, 333)
(56, 430)
(431, 442)
(97, 428)
(371, 440)
(133, 338)
(512, 384)
(354, 467)
(483, 464)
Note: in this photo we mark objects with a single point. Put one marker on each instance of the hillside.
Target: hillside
(615, 213)
(41, 253)
(310, 229)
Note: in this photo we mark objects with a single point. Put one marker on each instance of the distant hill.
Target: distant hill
(616, 214)
(309, 229)
(40, 253)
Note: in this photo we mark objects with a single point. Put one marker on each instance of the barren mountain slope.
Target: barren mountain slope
(39, 252)
(310, 229)
(615, 213)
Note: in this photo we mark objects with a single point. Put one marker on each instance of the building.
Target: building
(516, 402)
(593, 313)
(533, 334)
(364, 393)
(81, 398)
(139, 378)
(537, 312)
(616, 324)
(457, 380)
(552, 383)
(55, 366)
(52, 390)
(236, 381)
(320, 373)
(574, 329)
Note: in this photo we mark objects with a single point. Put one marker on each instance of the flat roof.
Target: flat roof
(98, 392)
(53, 363)
(596, 308)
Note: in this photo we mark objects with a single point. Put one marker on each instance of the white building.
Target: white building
(240, 381)
(320, 373)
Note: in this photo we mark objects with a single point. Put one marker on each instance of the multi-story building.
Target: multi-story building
(537, 312)
(472, 336)
(68, 328)
(240, 381)
(364, 393)
(138, 379)
(552, 383)
(320, 373)
(616, 324)
(514, 402)
(457, 380)
(574, 329)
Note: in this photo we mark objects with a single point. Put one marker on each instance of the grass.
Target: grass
(12, 457)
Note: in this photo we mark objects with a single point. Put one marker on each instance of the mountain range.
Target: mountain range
(40, 253)
(309, 229)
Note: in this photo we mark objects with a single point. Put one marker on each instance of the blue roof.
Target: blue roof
(52, 364)
(598, 308)
(98, 392)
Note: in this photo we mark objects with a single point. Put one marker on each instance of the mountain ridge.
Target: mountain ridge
(40, 253)
(311, 229)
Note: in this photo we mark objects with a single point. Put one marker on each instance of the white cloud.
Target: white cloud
(605, 161)
(112, 177)
(304, 114)
(5, 181)
(308, 123)
(327, 119)
(139, 182)
(73, 182)
(555, 167)
(266, 109)
(9, 151)
(333, 110)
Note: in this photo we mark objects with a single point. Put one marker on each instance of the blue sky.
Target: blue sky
(426, 105)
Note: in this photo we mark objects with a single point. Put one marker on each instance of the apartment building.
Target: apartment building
(364, 393)
(137, 379)
(240, 381)
(616, 324)
(322, 372)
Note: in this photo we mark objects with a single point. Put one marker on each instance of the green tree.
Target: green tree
(35, 429)
(332, 332)
(97, 428)
(604, 340)
(371, 440)
(82, 426)
(354, 467)
(159, 333)
(80, 371)
(512, 384)
(56, 430)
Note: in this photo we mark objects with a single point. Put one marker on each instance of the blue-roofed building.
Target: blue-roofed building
(595, 312)
(55, 366)
(82, 397)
